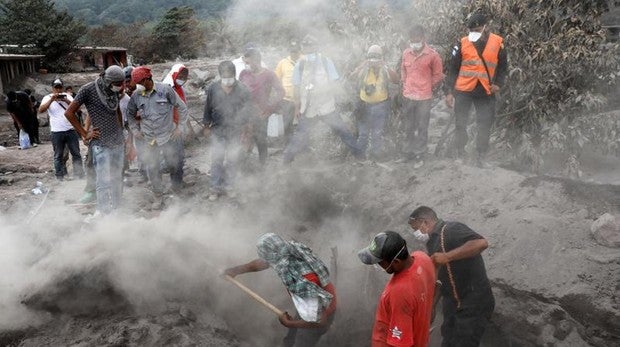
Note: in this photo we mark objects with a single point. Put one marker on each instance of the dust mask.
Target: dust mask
(228, 82)
(140, 88)
(416, 46)
(179, 82)
(474, 35)
(420, 236)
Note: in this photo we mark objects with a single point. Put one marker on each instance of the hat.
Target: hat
(385, 246)
(375, 53)
(309, 40)
(139, 73)
(57, 83)
(113, 74)
(476, 20)
(252, 53)
(127, 70)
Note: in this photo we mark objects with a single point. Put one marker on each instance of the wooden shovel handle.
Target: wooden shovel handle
(254, 295)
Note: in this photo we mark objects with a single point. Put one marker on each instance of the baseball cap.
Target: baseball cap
(57, 83)
(476, 20)
(375, 53)
(384, 246)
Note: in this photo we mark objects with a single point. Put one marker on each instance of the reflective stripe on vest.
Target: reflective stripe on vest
(472, 69)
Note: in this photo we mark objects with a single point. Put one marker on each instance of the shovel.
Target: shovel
(254, 295)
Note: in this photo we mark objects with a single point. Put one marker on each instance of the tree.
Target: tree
(36, 22)
(178, 34)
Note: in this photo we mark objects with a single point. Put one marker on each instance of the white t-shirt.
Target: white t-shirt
(56, 112)
(123, 105)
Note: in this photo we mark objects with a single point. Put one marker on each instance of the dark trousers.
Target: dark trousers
(465, 327)
(259, 137)
(485, 116)
(173, 153)
(69, 139)
(305, 337)
(31, 127)
(287, 108)
(416, 115)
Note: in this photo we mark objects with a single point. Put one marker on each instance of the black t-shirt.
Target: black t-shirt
(106, 120)
(469, 274)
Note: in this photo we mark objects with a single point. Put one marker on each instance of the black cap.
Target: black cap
(57, 83)
(385, 246)
(476, 20)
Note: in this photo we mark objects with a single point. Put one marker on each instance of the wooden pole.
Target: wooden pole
(254, 295)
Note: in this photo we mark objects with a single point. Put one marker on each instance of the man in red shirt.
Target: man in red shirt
(262, 83)
(404, 311)
(421, 70)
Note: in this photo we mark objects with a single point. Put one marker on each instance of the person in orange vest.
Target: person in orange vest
(476, 73)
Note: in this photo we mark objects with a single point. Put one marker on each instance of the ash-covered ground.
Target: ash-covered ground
(149, 277)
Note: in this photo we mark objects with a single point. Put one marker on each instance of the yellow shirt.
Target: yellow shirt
(284, 72)
(380, 94)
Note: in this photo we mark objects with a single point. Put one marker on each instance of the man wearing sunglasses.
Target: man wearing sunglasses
(404, 311)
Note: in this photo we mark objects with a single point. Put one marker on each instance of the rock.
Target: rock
(606, 230)
(562, 329)
(489, 213)
(187, 314)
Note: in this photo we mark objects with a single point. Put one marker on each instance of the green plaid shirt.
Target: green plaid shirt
(292, 260)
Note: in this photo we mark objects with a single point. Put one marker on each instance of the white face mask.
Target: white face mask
(140, 88)
(228, 82)
(420, 236)
(180, 82)
(416, 46)
(474, 35)
(116, 89)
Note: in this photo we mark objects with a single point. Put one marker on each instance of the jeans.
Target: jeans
(417, 115)
(370, 125)
(299, 140)
(226, 151)
(173, 154)
(298, 337)
(89, 167)
(108, 167)
(485, 116)
(69, 139)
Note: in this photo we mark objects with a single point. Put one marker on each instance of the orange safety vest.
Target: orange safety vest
(472, 69)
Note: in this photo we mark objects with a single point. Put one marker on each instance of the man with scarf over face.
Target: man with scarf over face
(105, 135)
(307, 280)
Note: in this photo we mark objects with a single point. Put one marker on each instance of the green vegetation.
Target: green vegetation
(53, 33)
(561, 67)
(98, 12)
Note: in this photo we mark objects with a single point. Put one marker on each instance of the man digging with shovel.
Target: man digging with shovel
(306, 279)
